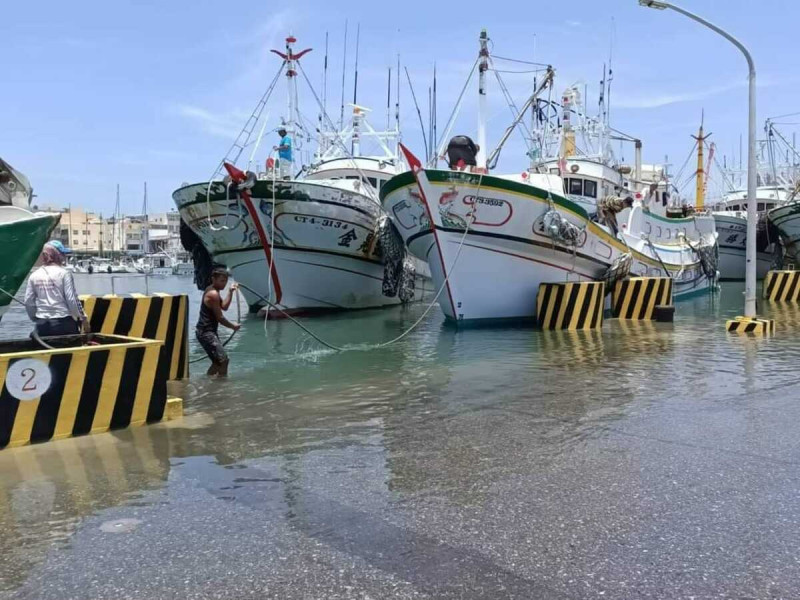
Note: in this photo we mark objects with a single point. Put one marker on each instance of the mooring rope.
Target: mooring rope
(471, 219)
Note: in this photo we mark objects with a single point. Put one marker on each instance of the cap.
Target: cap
(59, 246)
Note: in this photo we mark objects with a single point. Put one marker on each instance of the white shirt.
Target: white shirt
(51, 294)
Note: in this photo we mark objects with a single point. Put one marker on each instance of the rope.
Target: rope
(394, 340)
(12, 296)
(522, 62)
(658, 256)
(271, 246)
(34, 334)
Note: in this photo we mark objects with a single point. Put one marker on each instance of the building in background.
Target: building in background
(88, 233)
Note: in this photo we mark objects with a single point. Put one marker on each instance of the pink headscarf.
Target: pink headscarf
(51, 255)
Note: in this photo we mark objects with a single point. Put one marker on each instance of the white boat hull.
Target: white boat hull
(732, 231)
(323, 254)
(493, 271)
(786, 219)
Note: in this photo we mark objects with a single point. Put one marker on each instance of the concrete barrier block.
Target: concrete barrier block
(158, 317)
(77, 389)
(570, 305)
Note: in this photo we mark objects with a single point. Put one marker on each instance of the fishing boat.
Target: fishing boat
(785, 218)
(491, 239)
(22, 232)
(774, 182)
(304, 240)
(784, 171)
(730, 218)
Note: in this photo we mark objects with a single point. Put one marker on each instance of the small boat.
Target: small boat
(183, 268)
(491, 239)
(22, 232)
(159, 263)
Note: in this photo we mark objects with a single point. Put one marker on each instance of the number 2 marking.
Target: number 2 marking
(29, 385)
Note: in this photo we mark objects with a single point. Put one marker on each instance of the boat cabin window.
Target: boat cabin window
(555, 171)
(760, 207)
(576, 187)
(590, 188)
(373, 182)
(735, 207)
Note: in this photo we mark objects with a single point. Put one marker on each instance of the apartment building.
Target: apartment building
(89, 233)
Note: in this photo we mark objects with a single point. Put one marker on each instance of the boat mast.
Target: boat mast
(145, 230)
(355, 142)
(389, 100)
(344, 72)
(397, 109)
(700, 172)
(483, 66)
(115, 227)
(323, 146)
(290, 59)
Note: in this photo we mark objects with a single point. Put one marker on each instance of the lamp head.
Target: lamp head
(654, 4)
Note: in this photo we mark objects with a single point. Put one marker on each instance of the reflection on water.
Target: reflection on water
(292, 403)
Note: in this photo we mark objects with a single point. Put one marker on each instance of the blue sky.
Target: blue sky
(98, 93)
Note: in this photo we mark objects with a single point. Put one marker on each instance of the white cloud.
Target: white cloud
(658, 100)
(221, 125)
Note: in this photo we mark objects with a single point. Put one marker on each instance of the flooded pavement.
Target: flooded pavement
(646, 461)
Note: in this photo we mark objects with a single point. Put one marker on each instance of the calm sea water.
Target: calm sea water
(362, 413)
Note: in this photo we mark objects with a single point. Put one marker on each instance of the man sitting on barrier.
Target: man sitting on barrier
(210, 318)
(50, 298)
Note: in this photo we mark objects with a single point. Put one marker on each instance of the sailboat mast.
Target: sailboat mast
(482, 106)
(145, 228)
(116, 225)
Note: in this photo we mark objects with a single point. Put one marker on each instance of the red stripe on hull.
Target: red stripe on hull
(265, 244)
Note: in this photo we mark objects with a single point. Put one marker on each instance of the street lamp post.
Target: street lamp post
(750, 271)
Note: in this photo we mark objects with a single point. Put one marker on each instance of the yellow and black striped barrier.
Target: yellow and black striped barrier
(751, 325)
(570, 305)
(782, 286)
(73, 390)
(637, 297)
(158, 317)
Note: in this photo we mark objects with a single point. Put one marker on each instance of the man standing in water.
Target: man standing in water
(284, 154)
(210, 318)
(50, 298)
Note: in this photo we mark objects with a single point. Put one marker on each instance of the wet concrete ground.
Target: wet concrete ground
(684, 498)
(646, 461)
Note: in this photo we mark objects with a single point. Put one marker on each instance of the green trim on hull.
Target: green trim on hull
(485, 181)
(20, 246)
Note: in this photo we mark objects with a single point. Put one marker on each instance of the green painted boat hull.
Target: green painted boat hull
(21, 244)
